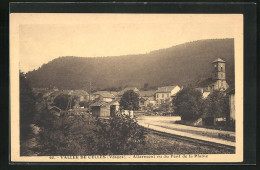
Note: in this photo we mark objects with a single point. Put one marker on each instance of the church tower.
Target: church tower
(219, 75)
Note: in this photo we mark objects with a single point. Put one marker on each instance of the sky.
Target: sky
(44, 37)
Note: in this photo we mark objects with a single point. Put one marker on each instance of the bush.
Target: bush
(188, 104)
(120, 135)
(72, 135)
(217, 105)
(165, 107)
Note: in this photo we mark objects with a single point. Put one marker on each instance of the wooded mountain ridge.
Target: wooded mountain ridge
(182, 64)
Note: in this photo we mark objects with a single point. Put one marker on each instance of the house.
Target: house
(104, 96)
(166, 93)
(146, 98)
(231, 94)
(104, 109)
(120, 94)
(218, 79)
(115, 93)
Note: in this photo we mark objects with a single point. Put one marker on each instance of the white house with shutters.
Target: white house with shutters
(166, 93)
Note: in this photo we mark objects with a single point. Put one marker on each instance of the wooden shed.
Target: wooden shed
(104, 109)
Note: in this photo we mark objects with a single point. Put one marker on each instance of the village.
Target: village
(151, 102)
(155, 109)
(170, 119)
(127, 87)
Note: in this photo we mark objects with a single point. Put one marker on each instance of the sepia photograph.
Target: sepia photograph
(94, 87)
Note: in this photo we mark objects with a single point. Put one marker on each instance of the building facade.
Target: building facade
(146, 99)
(166, 93)
(104, 96)
(104, 109)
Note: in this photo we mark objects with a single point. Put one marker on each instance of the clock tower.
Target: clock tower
(219, 75)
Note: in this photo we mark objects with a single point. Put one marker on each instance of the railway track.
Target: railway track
(198, 142)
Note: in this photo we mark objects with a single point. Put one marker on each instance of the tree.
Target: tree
(216, 105)
(63, 100)
(129, 101)
(188, 104)
(27, 107)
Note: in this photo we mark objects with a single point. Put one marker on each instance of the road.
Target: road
(167, 125)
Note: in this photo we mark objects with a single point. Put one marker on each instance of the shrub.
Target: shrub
(120, 135)
(165, 107)
(217, 105)
(72, 135)
(188, 104)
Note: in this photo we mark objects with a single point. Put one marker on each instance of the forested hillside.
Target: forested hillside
(178, 65)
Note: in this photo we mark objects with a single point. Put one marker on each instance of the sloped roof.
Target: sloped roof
(114, 102)
(206, 82)
(205, 94)
(78, 93)
(54, 107)
(55, 93)
(68, 92)
(219, 60)
(128, 88)
(103, 103)
(105, 94)
(114, 93)
(165, 89)
(146, 93)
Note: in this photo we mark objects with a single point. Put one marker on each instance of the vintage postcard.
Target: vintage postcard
(92, 87)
